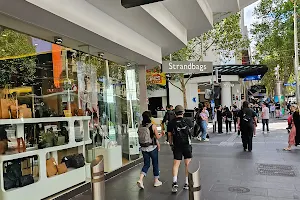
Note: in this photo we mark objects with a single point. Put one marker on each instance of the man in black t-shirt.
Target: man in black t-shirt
(179, 130)
(246, 119)
(169, 116)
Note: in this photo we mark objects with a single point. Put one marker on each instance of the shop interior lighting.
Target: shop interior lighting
(58, 40)
(101, 54)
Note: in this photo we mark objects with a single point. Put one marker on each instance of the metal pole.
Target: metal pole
(98, 179)
(213, 100)
(296, 52)
(194, 181)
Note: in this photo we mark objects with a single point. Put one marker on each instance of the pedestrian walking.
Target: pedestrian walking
(179, 131)
(203, 119)
(272, 110)
(220, 120)
(245, 122)
(235, 112)
(228, 119)
(169, 116)
(265, 115)
(291, 124)
(148, 139)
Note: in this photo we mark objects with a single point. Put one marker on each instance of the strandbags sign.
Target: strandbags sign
(187, 67)
(156, 78)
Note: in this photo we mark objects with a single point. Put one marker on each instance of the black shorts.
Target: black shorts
(180, 152)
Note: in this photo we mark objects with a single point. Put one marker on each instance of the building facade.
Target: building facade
(73, 82)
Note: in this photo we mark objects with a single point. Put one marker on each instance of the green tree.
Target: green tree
(274, 37)
(225, 39)
(17, 62)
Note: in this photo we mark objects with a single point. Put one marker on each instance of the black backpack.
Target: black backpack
(182, 133)
(246, 121)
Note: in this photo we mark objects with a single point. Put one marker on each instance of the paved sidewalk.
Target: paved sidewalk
(227, 172)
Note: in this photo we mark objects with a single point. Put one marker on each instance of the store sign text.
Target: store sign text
(187, 67)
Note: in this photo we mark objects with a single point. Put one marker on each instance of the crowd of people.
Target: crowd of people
(181, 130)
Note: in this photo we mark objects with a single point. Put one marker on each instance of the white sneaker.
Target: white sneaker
(140, 184)
(157, 183)
(206, 140)
(199, 138)
(166, 142)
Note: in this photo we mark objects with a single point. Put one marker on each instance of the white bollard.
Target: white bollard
(194, 181)
(98, 179)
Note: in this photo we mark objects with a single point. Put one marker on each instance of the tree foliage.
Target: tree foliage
(274, 37)
(225, 39)
(15, 68)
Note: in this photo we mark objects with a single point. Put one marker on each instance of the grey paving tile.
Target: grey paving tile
(253, 191)
(251, 197)
(283, 194)
(268, 185)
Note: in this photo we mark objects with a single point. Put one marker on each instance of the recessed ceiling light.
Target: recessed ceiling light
(36, 44)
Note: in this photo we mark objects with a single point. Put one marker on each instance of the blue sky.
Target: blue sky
(249, 18)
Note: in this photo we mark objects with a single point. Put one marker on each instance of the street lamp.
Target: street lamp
(296, 52)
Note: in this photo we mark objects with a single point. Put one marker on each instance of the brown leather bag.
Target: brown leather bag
(5, 104)
(25, 113)
(3, 146)
(62, 168)
(51, 167)
(21, 145)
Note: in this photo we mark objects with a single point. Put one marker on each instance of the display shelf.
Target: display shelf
(45, 186)
(41, 152)
(43, 120)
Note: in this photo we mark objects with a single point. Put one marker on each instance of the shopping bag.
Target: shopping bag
(5, 104)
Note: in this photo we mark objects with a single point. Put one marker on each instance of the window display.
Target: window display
(59, 109)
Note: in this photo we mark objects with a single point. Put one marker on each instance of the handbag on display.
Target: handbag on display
(67, 160)
(62, 168)
(13, 174)
(3, 146)
(21, 145)
(78, 160)
(51, 167)
(5, 104)
(8, 182)
(26, 180)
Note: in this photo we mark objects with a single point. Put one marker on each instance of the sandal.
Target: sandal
(287, 149)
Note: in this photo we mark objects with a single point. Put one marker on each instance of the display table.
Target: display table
(112, 157)
(45, 186)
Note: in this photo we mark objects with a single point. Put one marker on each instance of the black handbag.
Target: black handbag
(13, 174)
(67, 160)
(26, 180)
(78, 160)
(8, 183)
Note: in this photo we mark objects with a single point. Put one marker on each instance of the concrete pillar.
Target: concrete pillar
(192, 95)
(143, 88)
(236, 91)
(226, 94)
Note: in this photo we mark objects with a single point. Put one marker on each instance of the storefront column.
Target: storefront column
(226, 94)
(143, 88)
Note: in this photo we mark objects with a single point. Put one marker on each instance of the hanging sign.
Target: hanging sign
(253, 78)
(156, 78)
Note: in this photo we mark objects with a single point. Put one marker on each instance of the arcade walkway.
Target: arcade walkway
(227, 172)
